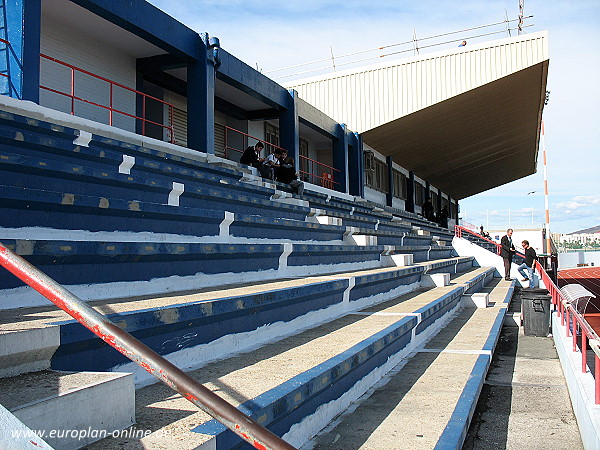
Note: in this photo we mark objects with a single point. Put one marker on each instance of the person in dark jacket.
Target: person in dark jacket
(286, 173)
(507, 252)
(251, 155)
(530, 258)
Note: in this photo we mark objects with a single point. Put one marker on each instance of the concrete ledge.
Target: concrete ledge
(28, 350)
(15, 435)
(402, 260)
(476, 300)
(435, 280)
(103, 402)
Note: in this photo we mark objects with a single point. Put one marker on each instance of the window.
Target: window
(303, 164)
(400, 181)
(419, 194)
(271, 136)
(434, 200)
(377, 177)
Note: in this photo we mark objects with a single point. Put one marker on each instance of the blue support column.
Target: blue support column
(390, 173)
(289, 127)
(32, 18)
(439, 205)
(201, 100)
(356, 185)
(410, 193)
(340, 159)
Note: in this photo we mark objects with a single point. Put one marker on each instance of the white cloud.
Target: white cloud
(579, 204)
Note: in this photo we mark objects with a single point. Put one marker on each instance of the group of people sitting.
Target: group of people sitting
(277, 166)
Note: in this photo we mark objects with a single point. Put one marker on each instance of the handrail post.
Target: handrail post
(583, 351)
(238, 422)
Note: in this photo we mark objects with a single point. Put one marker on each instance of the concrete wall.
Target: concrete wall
(571, 259)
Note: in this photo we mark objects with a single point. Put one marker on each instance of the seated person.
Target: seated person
(271, 164)
(286, 173)
(251, 155)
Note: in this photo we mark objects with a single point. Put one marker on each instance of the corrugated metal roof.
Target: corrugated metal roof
(466, 120)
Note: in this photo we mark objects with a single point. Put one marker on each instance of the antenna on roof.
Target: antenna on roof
(332, 57)
(521, 6)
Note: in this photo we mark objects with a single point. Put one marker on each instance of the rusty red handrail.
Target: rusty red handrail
(458, 230)
(238, 422)
(110, 108)
(572, 321)
(569, 316)
(323, 175)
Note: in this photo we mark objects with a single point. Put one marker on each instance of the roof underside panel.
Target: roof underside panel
(475, 141)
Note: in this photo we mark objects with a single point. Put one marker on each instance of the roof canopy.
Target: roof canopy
(465, 119)
(475, 141)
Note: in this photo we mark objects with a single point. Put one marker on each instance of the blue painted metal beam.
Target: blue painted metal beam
(390, 173)
(410, 193)
(201, 101)
(289, 127)
(317, 120)
(32, 17)
(148, 22)
(243, 77)
(340, 159)
(356, 185)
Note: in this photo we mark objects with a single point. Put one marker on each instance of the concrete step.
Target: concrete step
(286, 384)
(427, 401)
(70, 410)
(194, 327)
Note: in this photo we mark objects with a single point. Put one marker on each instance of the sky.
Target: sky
(270, 35)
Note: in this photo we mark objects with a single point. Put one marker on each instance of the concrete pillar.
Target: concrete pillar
(32, 18)
(390, 172)
(356, 173)
(410, 192)
(340, 159)
(201, 100)
(289, 127)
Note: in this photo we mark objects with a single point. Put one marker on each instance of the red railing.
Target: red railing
(570, 318)
(575, 324)
(458, 231)
(110, 108)
(314, 172)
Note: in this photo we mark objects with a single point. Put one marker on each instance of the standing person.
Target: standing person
(530, 257)
(427, 209)
(443, 217)
(507, 252)
(251, 155)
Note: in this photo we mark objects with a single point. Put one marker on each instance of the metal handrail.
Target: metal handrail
(209, 402)
(571, 319)
(110, 108)
(458, 230)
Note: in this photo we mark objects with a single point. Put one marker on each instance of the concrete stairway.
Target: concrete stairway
(427, 401)
(298, 384)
